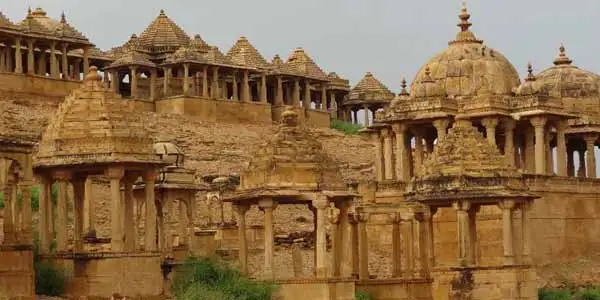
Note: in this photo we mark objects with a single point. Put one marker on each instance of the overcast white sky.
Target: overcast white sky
(391, 38)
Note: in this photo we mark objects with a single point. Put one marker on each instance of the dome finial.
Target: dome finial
(63, 18)
(403, 91)
(530, 76)
(464, 17)
(562, 58)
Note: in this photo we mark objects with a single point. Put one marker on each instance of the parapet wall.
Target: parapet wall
(16, 273)
(28, 86)
(216, 110)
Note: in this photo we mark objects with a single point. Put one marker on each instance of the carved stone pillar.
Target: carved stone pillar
(431, 231)
(526, 232)
(214, 88)
(334, 219)
(375, 137)
(366, 112)
(86, 60)
(402, 154)
(408, 245)
(62, 183)
(530, 150)
(388, 154)
(296, 93)
(424, 246)
(65, 61)
(279, 91)
(240, 211)
(78, 200)
(9, 225)
(320, 204)
(418, 158)
(186, 79)
(590, 141)
(441, 126)
(246, 87)
(115, 175)
(581, 172)
(507, 233)
(363, 246)
(490, 129)
(167, 82)
(396, 246)
(539, 124)
(323, 104)
(45, 215)
(129, 224)
(347, 241)
(570, 163)
(30, 57)
(548, 151)
(205, 82)
(18, 56)
(307, 97)
(234, 84)
(463, 231)
(509, 141)
(150, 228)
(268, 205)
(153, 77)
(134, 81)
(263, 88)
(54, 72)
(561, 148)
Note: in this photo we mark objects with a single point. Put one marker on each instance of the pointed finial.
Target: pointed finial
(530, 76)
(162, 12)
(403, 91)
(29, 11)
(427, 71)
(63, 18)
(562, 58)
(464, 17)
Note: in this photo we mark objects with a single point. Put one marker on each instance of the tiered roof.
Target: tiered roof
(303, 65)
(6, 23)
(370, 90)
(245, 54)
(163, 35)
(94, 126)
(38, 22)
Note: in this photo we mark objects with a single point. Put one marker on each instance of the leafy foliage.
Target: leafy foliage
(588, 294)
(200, 279)
(49, 280)
(345, 127)
(362, 296)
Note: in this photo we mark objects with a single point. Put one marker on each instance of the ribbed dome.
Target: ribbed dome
(163, 35)
(466, 66)
(563, 80)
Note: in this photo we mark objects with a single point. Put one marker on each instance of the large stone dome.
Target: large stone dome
(563, 80)
(466, 66)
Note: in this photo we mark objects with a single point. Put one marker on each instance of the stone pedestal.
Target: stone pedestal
(16, 272)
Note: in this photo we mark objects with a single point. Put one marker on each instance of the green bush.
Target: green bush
(362, 296)
(49, 280)
(197, 278)
(553, 294)
(345, 127)
(35, 198)
(588, 294)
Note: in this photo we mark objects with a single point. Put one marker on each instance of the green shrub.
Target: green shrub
(345, 127)
(362, 296)
(49, 280)
(203, 276)
(549, 294)
(588, 294)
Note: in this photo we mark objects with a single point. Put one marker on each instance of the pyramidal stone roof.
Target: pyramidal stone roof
(245, 54)
(464, 165)
(302, 64)
(93, 126)
(216, 57)
(370, 89)
(5, 22)
(38, 21)
(290, 151)
(163, 35)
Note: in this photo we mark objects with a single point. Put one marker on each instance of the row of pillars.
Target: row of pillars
(11, 59)
(17, 218)
(340, 263)
(533, 154)
(350, 114)
(121, 206)
(466, 214)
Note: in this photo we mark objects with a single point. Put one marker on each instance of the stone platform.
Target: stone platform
(16, 272)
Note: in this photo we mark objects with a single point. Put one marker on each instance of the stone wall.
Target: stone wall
(16, 273)
(216, 110)
(396, 289)
(24, 86)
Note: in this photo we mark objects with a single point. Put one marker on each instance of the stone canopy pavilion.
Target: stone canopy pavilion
(290, 168)
(94, 132)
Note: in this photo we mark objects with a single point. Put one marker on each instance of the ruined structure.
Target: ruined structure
(16, 236)
(290, 168)
(95, 132)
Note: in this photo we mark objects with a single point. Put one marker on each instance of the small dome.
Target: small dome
(563, 80)
(169, 152)
(467, 66)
